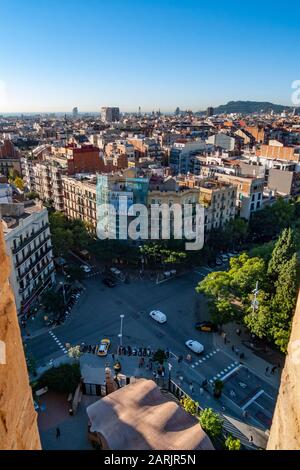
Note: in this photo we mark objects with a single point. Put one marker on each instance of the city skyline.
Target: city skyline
(153, 55)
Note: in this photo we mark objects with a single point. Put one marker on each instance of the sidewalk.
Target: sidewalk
(255, 363)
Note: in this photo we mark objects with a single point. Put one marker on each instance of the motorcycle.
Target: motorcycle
(134, 351)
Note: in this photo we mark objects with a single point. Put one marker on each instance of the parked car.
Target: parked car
(104, 347)
(195, 346)
(85, 268)
(206, 326)
(224, 258)
(158, 316)
(219, 262)
(108, 282)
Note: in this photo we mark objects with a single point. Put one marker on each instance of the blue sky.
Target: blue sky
(56, 54)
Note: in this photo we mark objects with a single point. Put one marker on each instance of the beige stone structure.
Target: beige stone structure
(18, 419)
(285, 431)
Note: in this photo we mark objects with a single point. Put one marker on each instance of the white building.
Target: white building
(28, 242)
(222, 140)
(109, 114)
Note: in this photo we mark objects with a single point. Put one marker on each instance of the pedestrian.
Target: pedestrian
(237, 351)
(201, 391)
(57, 433)
(251, 438)
(113, 356)
(267, 370)
(191, 388)
(273, 370)
(245, 414)
(232, 348)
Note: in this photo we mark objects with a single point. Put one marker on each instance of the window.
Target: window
(252, 206)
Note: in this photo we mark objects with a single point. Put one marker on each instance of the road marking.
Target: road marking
(231, 372)
(258, 394)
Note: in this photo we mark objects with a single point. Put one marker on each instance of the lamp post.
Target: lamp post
(121, 329)
(255, 302)
(64, 293)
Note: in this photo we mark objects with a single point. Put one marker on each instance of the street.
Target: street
(97, 316)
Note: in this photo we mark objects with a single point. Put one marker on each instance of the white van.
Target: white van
(158, 316)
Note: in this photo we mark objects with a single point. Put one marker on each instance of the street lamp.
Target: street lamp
(121, 329)
(64, 293)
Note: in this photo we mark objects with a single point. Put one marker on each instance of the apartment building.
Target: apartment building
(167, 191)
(28, 242)
(146, 147)
(218, 199)
(79, 196)
(249, 193)
(9, 158)
(47, 178)
(121, 191)
(182, 155)
(222, 140)
(110, 114)
(27, 169)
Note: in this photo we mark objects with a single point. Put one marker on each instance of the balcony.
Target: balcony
(29, 239)
(31, 252)
(33, 265)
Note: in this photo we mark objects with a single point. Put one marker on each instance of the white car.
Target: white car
(194, 346)
(158, 316)
(85, 268)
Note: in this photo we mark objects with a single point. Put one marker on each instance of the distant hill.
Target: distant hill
(249, 107)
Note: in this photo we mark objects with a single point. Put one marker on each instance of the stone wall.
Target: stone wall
(18, 419)
(285, 430)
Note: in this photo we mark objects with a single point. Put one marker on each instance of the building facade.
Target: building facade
(28, 243)
(79, 198)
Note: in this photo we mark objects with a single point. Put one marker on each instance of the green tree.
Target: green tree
(62, 240)
(284, 249)
(268, 222)
(53, 301)
(259, 320)
(64, 378)
(284, 303)
(19, 183)
(222, 311)
(211, 422)
(236, 230)
(263, 251)
(232, 443)
(75, 272)
(215, 285)
(218, 387)
(244, 272)
(189, 405)
(159, 356)
(32, 195)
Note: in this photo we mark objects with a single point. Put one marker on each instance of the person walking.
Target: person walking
(232, 348)
(267, 370)
(191, 388)
(113, 356)
(251, 438)
(273, 370)
(57, 433)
